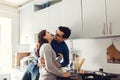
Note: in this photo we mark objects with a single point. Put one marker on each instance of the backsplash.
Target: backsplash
(95, 53)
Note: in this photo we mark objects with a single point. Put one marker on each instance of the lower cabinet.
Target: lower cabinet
(17, 74)
(5, 77)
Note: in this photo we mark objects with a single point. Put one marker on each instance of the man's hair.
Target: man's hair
(65, 30)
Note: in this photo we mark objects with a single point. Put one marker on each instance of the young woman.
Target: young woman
(50, 71)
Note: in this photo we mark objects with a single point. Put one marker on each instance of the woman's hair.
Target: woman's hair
(41, 40)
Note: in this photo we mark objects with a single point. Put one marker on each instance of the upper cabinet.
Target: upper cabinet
(113, 17)
(63, 13)
(101, 18)
(72, 17)
(41, 18)
(55, 16)
(66, 13)
(86, 18)
(94, 19)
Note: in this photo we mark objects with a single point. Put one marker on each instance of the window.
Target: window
(5, 44)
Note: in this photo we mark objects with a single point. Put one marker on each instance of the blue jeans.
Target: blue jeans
(32, 73)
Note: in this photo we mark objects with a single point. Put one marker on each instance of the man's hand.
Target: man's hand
(41, 62)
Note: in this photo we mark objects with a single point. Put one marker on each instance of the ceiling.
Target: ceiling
(15, 3)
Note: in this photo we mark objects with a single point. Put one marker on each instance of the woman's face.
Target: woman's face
(48, 36)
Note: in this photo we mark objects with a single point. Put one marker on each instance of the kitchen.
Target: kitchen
(94, 27)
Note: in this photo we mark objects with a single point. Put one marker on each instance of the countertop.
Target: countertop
(91, 76)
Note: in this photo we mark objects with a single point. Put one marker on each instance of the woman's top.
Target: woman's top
(49, 55)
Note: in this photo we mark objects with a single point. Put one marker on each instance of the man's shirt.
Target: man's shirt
(61, 48)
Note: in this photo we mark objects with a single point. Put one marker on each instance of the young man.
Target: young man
(59, 46)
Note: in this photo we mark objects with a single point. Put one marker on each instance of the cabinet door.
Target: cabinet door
(41, 19)
(72, 17)
(55, 16)
(94, 19)
(113, 14)
(26, 24)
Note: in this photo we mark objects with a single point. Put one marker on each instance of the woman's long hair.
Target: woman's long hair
(41, 41)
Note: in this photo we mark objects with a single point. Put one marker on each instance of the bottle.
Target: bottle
(73, 70)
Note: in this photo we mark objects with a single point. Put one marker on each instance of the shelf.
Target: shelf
(38, 7)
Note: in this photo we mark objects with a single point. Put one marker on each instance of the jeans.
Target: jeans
(32, 73)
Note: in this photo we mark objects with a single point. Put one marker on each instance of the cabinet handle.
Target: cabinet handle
(104, 29)
(110, 28)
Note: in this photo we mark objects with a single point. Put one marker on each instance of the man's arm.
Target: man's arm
(65, 60)
(65, 57)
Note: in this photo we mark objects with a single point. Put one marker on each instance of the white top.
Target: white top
(50, 69)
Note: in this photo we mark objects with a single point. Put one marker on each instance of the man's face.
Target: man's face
(59, 36)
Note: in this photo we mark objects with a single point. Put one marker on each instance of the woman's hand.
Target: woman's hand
(58, 59)
(66, 74)
(60, 55)
(41, 62)
(58, 64)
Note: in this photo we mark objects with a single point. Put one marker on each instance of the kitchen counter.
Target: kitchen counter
(91, 76)
(79, 77)
(94, 76)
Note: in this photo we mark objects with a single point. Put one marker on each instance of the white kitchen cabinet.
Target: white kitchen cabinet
(41, 19)
(113, 17)
(50, 17)
(72, 17)
(66, 13)
(86, 18)
(5, 77)
(102, 18)
(26, 23)
(94, 18)
(62, 13)
(55, 16)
